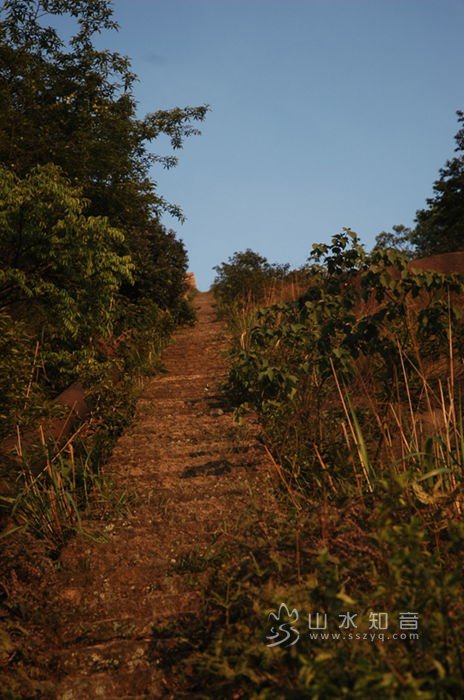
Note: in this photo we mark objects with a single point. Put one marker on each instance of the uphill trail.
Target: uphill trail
(193, 475)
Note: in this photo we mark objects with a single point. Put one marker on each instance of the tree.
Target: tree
(245, 277)
(73, 105)
(440, 226)
(60, 269)
(160, 264)
(400, 238)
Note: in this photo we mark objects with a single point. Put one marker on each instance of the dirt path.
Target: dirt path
(191, 470)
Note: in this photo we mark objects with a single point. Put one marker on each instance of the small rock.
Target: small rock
(73, 595)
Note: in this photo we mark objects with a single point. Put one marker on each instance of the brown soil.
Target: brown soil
(192, 474)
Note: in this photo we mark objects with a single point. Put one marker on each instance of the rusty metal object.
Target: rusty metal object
(28, 446)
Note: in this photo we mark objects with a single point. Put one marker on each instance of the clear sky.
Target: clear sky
(324, 114)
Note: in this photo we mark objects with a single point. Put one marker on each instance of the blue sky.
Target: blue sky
(324, 114)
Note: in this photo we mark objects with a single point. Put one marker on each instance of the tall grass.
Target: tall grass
(50, 503)
(423, 445)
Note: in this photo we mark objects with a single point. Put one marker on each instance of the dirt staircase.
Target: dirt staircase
(192, 473)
